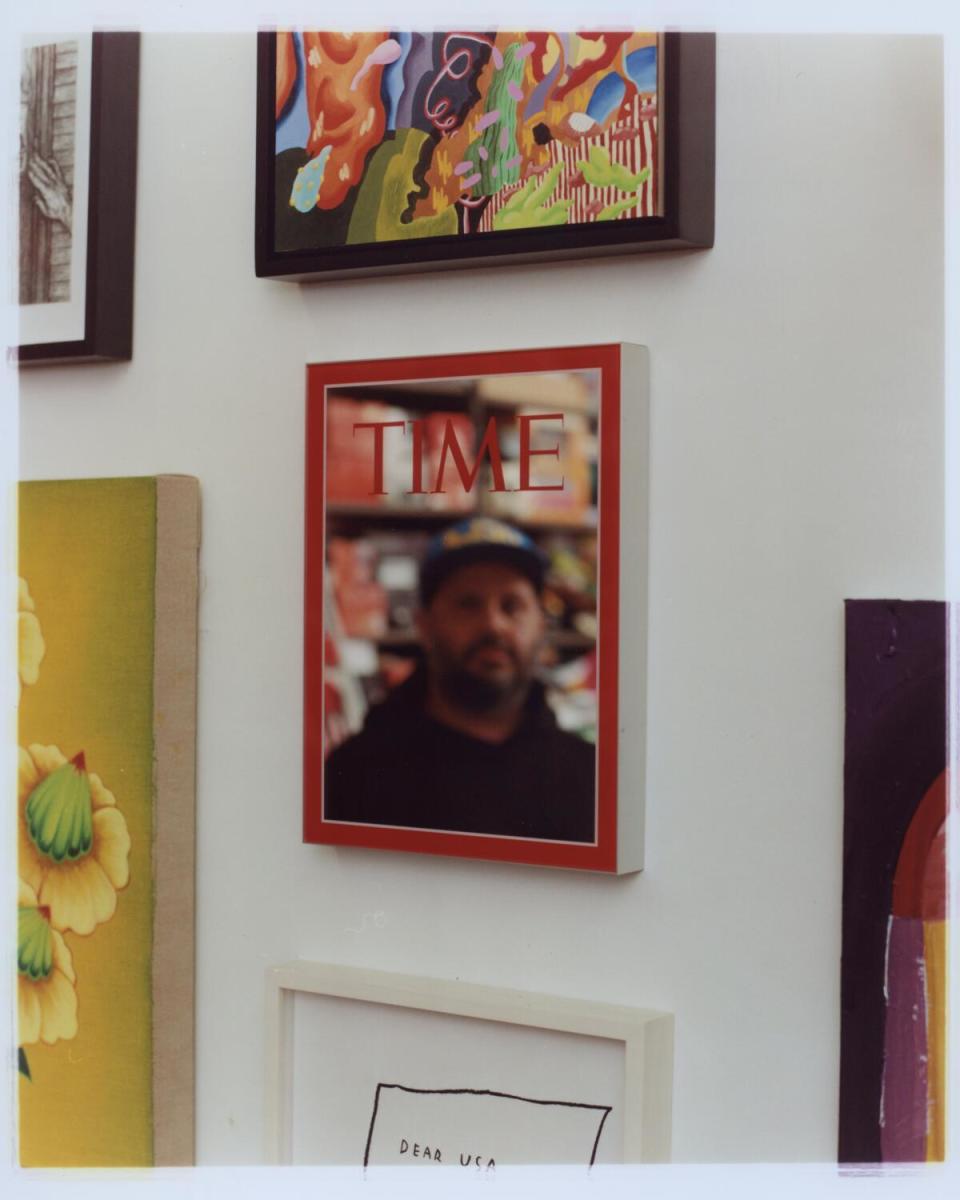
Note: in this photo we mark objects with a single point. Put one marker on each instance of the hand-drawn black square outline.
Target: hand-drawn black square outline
(606, 1109)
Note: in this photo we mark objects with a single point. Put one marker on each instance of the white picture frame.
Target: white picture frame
(315, 1048)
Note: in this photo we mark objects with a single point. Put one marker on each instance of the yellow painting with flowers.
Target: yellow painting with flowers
(95, 803)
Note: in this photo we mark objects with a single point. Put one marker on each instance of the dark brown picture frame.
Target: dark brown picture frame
(111, 216)
(687, 220)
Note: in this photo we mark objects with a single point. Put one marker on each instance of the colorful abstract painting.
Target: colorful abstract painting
(107, 656)
(893, 973)
(382, 137)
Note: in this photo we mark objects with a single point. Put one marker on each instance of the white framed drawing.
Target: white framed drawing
(373, 1069)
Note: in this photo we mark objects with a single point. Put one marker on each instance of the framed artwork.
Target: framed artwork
(107, 626)
(401, 151)
(475, 525)
(369, 1068)
(894, 948)
(78, 172)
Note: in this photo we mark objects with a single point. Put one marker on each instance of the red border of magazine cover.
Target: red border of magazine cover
(598, 856)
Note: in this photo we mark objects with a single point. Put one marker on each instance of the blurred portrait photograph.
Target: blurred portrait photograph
(453, 605)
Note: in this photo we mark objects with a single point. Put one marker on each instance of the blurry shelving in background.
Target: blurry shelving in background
(375, 541)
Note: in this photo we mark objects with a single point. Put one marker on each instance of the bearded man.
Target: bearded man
(468, 743)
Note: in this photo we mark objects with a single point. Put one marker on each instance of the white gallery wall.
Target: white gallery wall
(797, 445)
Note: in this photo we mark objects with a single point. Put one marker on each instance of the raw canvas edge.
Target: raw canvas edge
(174, 770)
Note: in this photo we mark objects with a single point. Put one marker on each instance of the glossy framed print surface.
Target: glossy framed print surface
(403, 151)
(467, 687)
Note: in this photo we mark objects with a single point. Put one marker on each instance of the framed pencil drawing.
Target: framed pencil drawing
(467, 688)
(400, 151)
(78, 164)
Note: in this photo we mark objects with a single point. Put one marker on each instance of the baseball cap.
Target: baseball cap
(479, 539)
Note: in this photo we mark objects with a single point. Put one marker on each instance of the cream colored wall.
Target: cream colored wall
(797, 458)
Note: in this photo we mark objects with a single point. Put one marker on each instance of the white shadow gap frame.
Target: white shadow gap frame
(312, 1009)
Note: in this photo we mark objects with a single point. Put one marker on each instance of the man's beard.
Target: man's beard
(476, 693)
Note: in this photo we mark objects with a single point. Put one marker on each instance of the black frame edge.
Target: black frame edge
(688, 130)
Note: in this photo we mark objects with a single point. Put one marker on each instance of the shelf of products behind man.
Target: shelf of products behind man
(376, 538)
(432, 492)
(373, 583)
(375, 541)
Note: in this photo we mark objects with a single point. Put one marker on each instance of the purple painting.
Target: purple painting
(893, 970)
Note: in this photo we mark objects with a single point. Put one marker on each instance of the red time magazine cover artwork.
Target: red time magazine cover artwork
(461, 643)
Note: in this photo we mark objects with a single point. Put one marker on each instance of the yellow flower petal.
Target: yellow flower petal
(47, 1007)
(31, 647)
(79, 896)
(58, 1008)
(29, 636)
(24, 599)
(28, 1012)
(100, 795)
(26, 895)
(28, 776)
(62, 958)
(111, 845)
(46, 758)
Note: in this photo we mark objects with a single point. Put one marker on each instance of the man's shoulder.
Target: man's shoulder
(360, 745)
(571, 745)
(566, 772)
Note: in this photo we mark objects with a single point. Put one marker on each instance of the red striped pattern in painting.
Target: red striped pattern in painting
(633, 150)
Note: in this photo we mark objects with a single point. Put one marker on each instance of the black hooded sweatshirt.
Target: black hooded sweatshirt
(405, 768)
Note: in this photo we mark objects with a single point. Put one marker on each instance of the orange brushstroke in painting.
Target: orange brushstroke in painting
(344, 106)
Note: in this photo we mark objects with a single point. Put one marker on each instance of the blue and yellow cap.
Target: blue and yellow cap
(479, 539)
